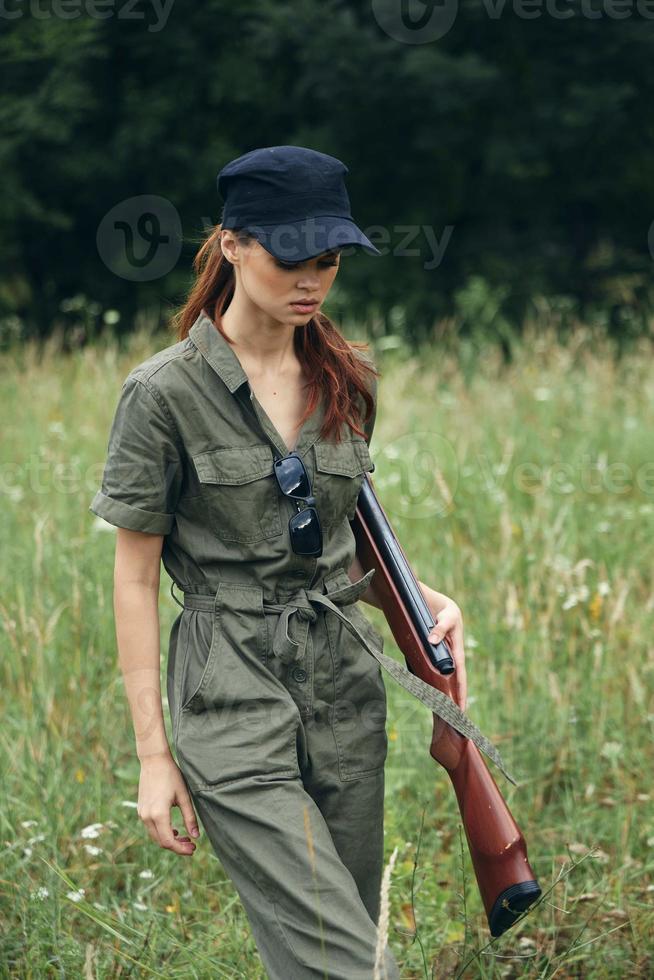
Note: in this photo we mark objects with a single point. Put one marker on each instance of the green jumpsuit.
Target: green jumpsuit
(278, 709)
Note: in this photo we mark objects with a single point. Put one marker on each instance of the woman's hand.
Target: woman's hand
(161, 787)
(449, 624)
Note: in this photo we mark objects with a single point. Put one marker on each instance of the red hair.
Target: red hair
(333, 365)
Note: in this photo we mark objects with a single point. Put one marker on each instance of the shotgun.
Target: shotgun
(506, 881)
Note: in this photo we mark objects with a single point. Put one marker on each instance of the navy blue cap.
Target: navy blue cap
(292, 199)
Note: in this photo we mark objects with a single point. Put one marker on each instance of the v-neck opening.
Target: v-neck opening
(313, 420)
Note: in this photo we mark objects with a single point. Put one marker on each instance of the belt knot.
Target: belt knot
(291, 649)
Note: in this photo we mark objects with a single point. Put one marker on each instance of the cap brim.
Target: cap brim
(297, 241)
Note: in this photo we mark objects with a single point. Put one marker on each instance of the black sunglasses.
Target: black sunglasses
(304, 527)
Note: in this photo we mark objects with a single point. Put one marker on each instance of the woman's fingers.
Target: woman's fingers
(160, 829)
(460, 674)
(449, 626)
(188, 813)
(455, 640)
(168, 837)
(448, 619)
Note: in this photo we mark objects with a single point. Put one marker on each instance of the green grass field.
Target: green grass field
(526, 493)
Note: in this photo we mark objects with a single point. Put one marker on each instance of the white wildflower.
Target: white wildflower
(611, 750)
(93, 830)
(76, 896)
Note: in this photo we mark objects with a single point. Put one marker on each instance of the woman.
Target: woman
(236, 457)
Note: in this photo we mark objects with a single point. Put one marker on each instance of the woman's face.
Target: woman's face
(273, 286)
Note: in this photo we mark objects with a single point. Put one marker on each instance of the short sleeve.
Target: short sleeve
(143, 470)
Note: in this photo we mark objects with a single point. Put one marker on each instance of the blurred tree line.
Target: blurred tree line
(503, 169)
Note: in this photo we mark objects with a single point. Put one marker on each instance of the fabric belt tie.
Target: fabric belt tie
(292, 648)
(299, 605)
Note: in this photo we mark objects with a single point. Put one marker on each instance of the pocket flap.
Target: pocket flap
(349, 458)
(234, 466)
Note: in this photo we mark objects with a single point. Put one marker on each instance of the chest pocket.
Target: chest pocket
(240, 492)
(339, 470)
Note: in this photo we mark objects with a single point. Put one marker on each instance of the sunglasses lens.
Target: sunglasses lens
(306, 533)
(304, 527)
(292, 477)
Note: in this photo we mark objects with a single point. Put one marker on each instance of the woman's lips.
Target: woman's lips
(304, 307)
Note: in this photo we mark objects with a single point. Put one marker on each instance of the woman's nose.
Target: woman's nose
(309, 282)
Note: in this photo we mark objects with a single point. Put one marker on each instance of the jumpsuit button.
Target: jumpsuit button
(299, 674)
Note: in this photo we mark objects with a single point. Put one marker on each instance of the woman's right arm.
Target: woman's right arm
(136, 610)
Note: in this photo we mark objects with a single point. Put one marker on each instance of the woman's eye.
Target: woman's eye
(285, 265)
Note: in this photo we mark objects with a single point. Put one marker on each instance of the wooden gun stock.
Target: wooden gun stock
(498, 851)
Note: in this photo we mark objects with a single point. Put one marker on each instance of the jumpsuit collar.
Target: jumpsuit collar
(219, 354)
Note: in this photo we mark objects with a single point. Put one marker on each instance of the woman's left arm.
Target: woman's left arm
(448, 621)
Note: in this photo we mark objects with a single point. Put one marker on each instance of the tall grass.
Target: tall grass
(525, 492)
